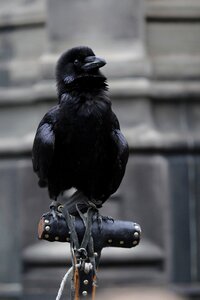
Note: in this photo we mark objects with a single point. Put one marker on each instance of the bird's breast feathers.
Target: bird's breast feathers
(85, 109)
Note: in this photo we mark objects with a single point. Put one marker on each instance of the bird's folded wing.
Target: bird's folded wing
(43, 150)
(122, 153)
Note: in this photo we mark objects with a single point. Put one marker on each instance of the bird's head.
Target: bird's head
(79, 67)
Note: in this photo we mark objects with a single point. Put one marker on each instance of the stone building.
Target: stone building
(153, 52)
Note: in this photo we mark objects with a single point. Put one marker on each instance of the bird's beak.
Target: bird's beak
(93, 62)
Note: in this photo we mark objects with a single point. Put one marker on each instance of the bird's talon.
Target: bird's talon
(54, 208)
(99, 219)
(54, 204)
(108, 218)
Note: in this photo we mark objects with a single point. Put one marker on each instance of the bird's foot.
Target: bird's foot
(54, 208)
(100, 219)
(107, 218)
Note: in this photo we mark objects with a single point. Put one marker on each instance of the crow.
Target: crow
(78, 142)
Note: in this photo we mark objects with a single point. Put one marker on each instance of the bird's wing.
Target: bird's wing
(121, 151)
(43, 146)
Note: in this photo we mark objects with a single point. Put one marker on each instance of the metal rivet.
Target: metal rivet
(84, 293)
(67, 239)
(137, 228)
(46, 221)
(86, 282)
(109, 241)
(121, 242)
(136, 234)
(87, 268)
(46, 236)
(56, 238)
(95, 254)
(47, 228)
(135, 243)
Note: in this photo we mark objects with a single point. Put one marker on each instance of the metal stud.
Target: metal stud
(87, 268)
(137, 228)
(136, 234)
(84, 293)
(57, 238)
(135, 243)
(95, 254)
(121, 242)
(47, 228)
(46, 221)
(67, 239)
(86, 282)
(110, 241)
(46, 236)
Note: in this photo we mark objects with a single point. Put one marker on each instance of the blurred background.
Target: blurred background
(152, 48)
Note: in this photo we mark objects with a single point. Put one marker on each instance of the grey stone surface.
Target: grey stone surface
(146, 198)
(184, 38)
(22, 120)
(176, 9)
(175, 67)
(162, 124)
(126, 88)
(173, 38)
(184, 259)
(21, 206)
(22, 44)
(111, 23)
(10, 223)
(19, 54)
(21, 13)
(34, 202)
(10, 291)
(22, 41)
(44, 254)
(94, 24)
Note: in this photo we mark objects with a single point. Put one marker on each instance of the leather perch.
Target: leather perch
(106, 233)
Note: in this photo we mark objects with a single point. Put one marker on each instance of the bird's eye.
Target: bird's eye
(76, 62)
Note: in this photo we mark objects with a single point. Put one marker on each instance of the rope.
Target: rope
(63, 282)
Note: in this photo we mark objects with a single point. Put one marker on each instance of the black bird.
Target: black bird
(78, 142)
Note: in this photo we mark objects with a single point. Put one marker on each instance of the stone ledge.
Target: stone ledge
(170, 65)
(124, 88)
(130, 60)
(145, 139)
(176, 66)
(183, 9)
(23, 15)
(142, 77)
(43, 282)
(141, 139)
(28, 94)
(10, 290)
(46, 253)
(18, 72)
(11, 147)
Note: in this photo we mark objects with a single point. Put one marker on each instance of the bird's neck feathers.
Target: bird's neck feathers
(86, 84)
